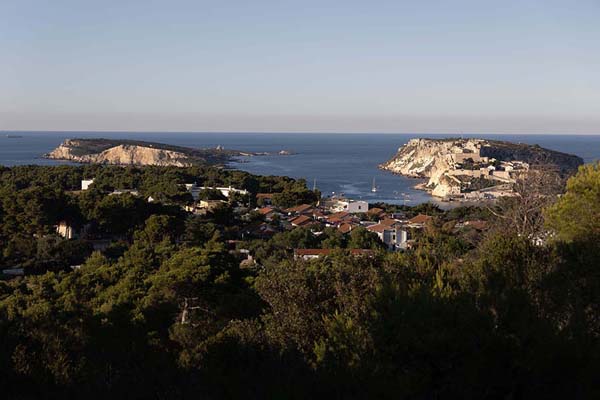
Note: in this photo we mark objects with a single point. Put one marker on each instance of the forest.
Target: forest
(166, 309)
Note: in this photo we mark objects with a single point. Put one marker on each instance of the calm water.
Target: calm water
(340, 163)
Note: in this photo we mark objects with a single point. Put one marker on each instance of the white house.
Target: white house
(195, 190)
(393, 237)
(66, 230)
(349, 206)
(85, 184)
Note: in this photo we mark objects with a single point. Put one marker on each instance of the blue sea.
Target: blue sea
(338, 163)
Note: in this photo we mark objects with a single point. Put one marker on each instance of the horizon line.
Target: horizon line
(5, 131)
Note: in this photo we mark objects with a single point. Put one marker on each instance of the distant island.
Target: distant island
(473, 169)
(135, 152)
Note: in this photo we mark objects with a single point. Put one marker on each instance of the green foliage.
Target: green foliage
(361, 238)
(576, 215)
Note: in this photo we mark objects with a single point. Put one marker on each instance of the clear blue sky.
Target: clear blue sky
(319, 66)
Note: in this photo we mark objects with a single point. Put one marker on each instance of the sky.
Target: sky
(301, 66)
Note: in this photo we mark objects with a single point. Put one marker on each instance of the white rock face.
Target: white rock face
(430, 158)
(121, 155)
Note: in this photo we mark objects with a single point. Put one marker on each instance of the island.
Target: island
(474, 169)
(136, 152)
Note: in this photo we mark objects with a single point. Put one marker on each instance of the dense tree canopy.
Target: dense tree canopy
(168, 310)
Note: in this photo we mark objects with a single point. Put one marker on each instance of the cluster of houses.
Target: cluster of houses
(339, 213)
(342, 214)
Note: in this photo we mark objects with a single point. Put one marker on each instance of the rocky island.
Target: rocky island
(135, 152)
(473, 169)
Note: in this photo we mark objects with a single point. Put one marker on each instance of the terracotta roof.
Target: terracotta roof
(419, 219)
(345, 227)
(388, 222)
(375, 211)
(312, 252)
(340, 215)
(379, 228)
(301, 220)
(302, 208)
(266, 210)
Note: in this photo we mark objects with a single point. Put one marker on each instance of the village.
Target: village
(257, 218)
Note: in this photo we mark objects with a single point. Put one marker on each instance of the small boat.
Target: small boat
(373, 187)
(14, 136)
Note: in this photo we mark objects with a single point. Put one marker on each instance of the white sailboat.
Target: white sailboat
(373, 187)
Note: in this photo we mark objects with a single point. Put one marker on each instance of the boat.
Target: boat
(14, 136)
(373, 187)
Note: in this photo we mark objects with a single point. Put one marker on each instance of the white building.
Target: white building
(65, 230)
(393, 237)
(195, 190)
(85, 184)
(349, 206)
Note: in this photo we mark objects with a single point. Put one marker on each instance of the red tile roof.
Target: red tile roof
(419, 219)
(339, 215)
(302, 208)
(379, 228)
(375, 211)
(301, 220)
(345, 227)
(388, 222)
(266, 210)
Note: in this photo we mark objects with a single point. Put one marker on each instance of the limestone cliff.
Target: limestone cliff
(452, 164)
(122, 154)
(131, 152)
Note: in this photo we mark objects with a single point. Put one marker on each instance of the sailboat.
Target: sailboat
(373, 187)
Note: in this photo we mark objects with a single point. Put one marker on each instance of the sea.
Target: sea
(334, 163)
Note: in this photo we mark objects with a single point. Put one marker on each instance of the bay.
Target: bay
(339, 163)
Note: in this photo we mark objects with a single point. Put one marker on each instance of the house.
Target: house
(419, 221)
(338, 218)
(268, 212)
(391, 235)
(66, 230)
(390, 222)
(262, 231)
(311, 254)
(345, 227)
(376, 212)
(302, 220)
(117, 192)
(300, 209)
(350, 206)
(85, 184)
(398, 215)
(225, 191)
(204, 206)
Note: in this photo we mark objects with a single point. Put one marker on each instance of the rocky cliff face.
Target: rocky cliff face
(121, 154)
(439, 160)
(428, 158)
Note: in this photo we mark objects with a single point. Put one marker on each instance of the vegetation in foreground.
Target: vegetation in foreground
(168, 311)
